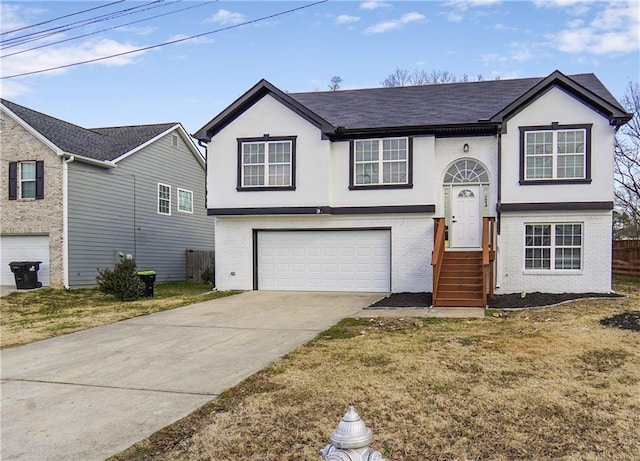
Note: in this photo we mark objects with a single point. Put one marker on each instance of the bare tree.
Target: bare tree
(335, 83)
(403, 77)
(627, 158)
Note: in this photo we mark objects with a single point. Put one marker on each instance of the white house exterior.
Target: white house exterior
(338, 191)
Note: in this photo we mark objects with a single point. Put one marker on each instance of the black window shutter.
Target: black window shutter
(13, 180)
(40, 179)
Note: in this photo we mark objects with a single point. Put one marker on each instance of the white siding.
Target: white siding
(558, 106)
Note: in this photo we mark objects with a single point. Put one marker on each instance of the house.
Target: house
(461, 189)
(79, 199)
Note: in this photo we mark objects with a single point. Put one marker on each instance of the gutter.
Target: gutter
(65, 220)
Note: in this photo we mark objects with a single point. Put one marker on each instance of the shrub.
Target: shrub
(122, 281)
(208, 275)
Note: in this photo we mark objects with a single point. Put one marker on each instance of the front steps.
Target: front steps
(460, 282)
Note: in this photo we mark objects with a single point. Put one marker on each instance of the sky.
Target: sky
(176, 78)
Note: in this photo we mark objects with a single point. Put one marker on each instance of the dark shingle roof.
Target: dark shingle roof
(98, 143)
(428, 105)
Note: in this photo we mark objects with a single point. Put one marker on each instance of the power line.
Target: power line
(107, 29)
(54, 30)
(137, 50)
(60, 17)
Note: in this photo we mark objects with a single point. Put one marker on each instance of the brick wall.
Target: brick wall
(411, 246)
(31, 217)
(595, 275)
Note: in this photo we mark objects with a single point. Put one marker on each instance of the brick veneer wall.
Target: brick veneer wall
(33, 217)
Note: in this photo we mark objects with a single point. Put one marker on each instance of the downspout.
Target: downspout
(65, 220)
(206, 169)
(497, 259)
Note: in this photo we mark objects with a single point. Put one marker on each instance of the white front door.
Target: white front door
(465, 217)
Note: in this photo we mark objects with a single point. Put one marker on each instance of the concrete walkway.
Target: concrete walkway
(91, 394)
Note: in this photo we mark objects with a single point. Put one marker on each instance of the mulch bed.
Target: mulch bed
(627, 321)
(510, 301)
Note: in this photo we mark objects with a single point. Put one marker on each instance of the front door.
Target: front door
(465, 217)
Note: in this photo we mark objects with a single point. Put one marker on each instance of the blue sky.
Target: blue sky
(362, 42)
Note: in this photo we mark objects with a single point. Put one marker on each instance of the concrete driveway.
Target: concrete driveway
(91, 394)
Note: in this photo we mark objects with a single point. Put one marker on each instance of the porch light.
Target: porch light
(465, 148)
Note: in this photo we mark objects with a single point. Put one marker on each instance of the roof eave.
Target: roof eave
(253, 95)
(449, 129)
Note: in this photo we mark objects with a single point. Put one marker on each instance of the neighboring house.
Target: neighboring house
(458, 189)
(80, 199)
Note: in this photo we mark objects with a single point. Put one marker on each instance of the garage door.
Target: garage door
(357, 260)
(24, 248)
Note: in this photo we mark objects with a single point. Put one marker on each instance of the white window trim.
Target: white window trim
(190, 202)
(381, 162)
(554, 155)
(266, 164)
(20, 180)
(552, 248)
(159, 199)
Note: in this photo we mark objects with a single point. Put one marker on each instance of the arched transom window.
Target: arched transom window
(466, 171)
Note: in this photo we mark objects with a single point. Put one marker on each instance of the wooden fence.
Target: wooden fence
(197, 262)
(626, 258)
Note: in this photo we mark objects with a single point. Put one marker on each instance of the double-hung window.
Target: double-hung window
(555, 153)
(27, 185)
(185, 201)
(553, 246)
(266, 163)
(381, 162)
(164, 199)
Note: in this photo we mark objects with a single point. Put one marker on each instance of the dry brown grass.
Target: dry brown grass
(28, 316)
(543, 384)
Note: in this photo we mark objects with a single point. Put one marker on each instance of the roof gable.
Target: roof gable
(105, 145)
(253, 95)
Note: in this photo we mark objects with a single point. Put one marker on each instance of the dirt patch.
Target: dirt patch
(625, 321)
(510, 301)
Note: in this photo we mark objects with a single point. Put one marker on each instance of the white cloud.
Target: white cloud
(466, 4)
(395, 23)
(453, 17)
(65, 55)
(346, 19)
(227, 17)
(374, 5)
(615, 29)
(577, 7)
(13, 88)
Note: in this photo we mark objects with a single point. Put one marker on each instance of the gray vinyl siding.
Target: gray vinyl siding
(115, 210)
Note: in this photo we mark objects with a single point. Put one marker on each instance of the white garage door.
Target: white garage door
(357, 260)
(24, 248)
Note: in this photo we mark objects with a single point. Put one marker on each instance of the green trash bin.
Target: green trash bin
(148, 278)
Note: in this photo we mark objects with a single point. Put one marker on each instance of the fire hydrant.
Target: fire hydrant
(350, 441)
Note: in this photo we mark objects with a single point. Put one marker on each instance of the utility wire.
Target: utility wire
(105, 17)
(60, 17)
(110, 28)
(253, 21)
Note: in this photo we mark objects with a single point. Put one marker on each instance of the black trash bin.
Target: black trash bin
(148, 278)
(26, 274)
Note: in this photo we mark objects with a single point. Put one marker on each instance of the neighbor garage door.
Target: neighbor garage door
(24, 248)
(357, 260)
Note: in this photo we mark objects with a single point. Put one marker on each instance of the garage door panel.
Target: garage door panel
(356, 260)
(24, 248)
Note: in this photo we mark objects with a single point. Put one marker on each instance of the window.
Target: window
(185, 201)
(553, 246)
(26, 180)
(266, 163)
(164, 199)
(381, 162)
(556, 153)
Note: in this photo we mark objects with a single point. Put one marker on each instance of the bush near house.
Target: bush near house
(121, 282)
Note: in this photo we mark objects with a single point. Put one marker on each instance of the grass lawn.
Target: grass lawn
(543, 384)
(27, 316)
